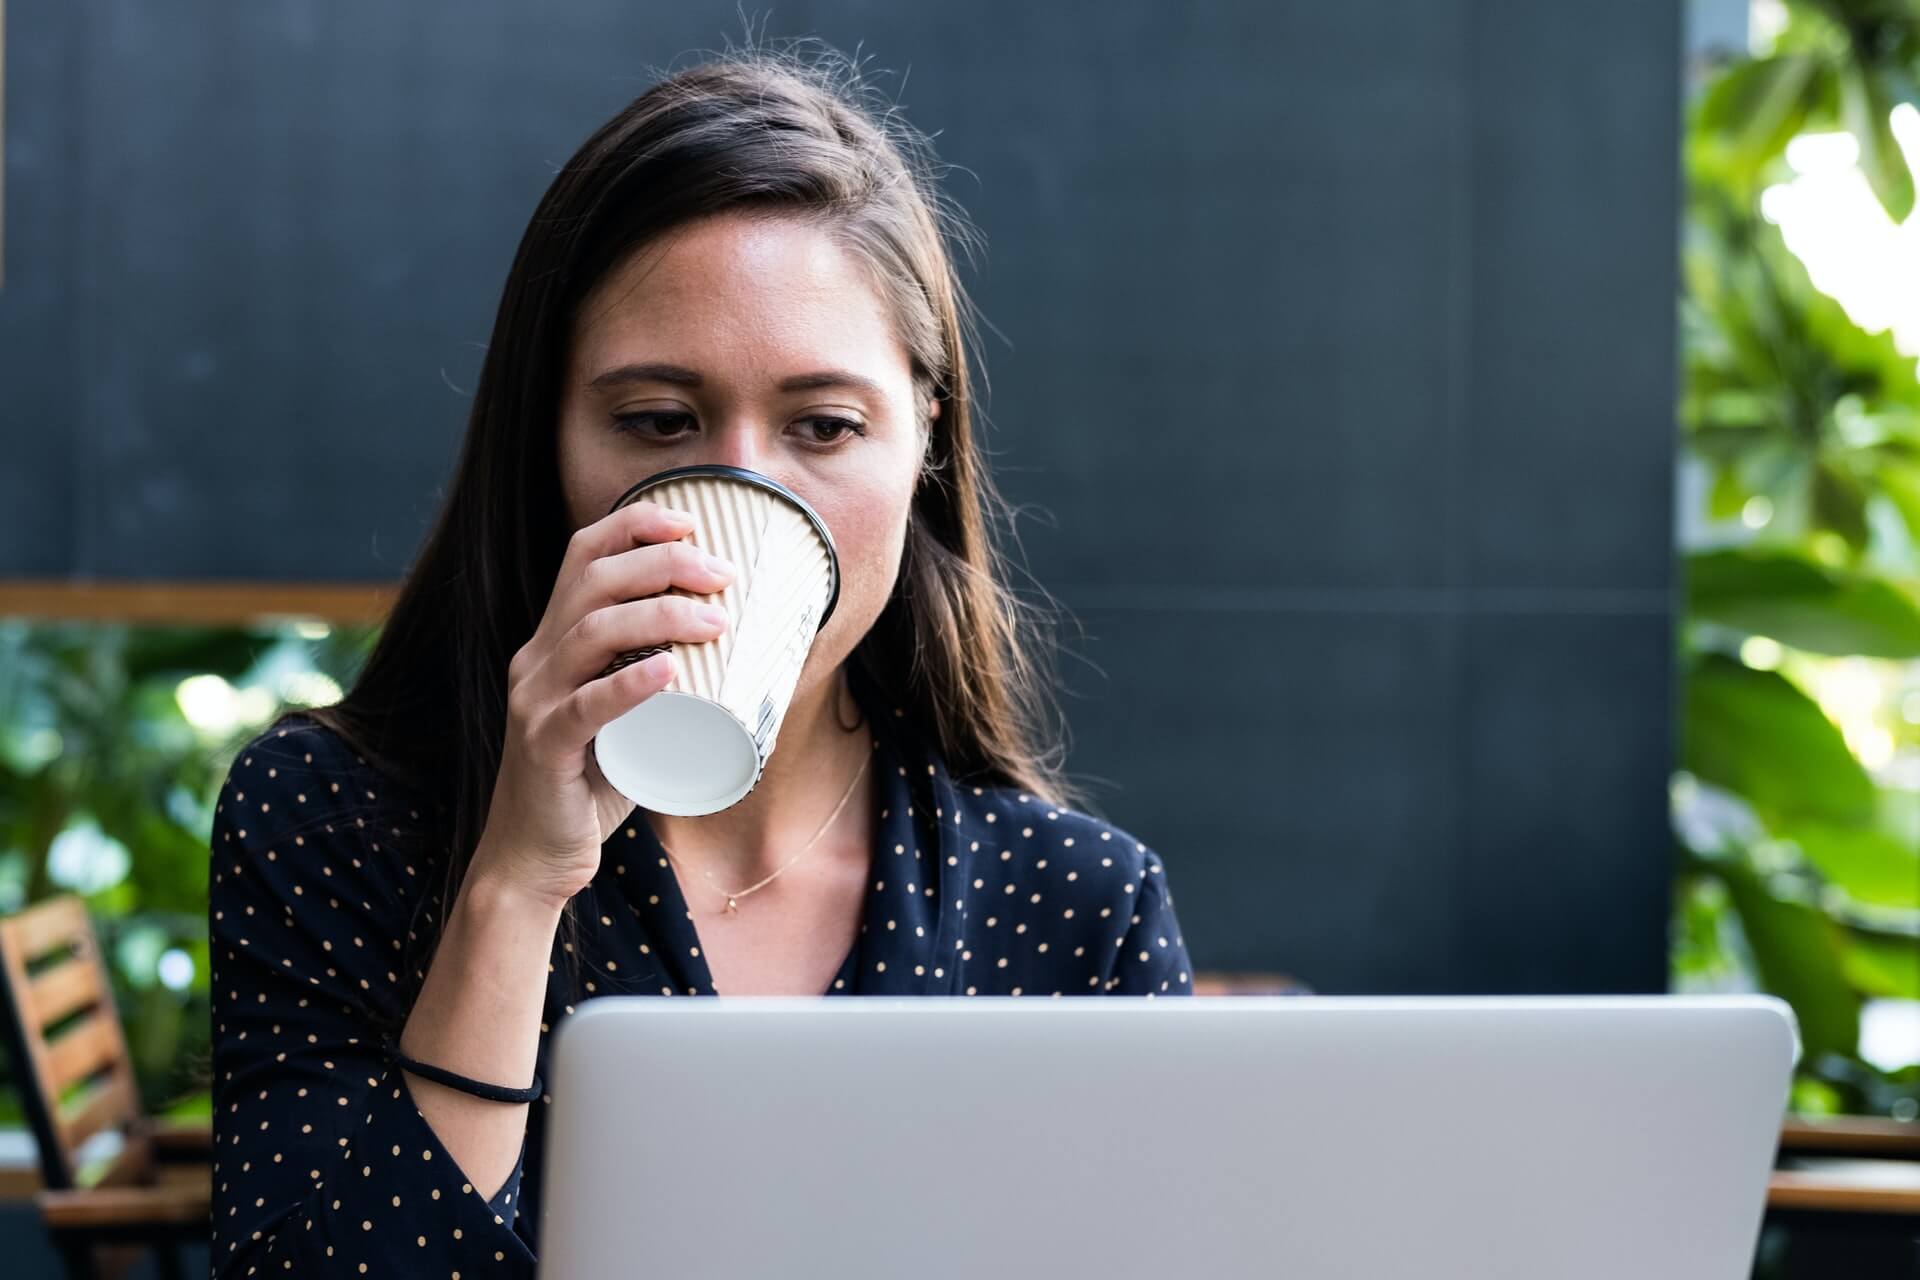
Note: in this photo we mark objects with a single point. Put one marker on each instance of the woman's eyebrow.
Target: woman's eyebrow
(680, 375)
(620, 375)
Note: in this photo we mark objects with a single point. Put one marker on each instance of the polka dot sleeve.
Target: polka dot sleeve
(323, 1164)
(1151, 957)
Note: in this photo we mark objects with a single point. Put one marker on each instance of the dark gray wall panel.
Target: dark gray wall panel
(1568, 448)
(1563, 772)
(38, 418)
(1227, 309)
(1297, 771)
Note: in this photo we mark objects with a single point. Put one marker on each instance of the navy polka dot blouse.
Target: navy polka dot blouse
(322, 1163)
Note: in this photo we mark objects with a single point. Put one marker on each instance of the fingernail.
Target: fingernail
(713, 613)
(719, 565)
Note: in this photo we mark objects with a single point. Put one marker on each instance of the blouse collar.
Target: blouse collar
(910, 921)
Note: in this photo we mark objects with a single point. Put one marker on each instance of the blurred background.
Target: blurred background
(1478, 442)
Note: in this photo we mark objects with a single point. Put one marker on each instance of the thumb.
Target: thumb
(613, 807)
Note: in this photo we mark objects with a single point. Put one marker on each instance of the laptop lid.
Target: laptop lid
(1132, 1138)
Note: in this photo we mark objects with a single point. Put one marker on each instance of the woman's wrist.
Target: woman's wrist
(478, 1015)
(490, 890)
(490, 893)
(492, 956)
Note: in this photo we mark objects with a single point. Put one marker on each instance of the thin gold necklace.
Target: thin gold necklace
(733, 897)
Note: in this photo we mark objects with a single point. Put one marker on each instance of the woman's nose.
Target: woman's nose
(737, 446)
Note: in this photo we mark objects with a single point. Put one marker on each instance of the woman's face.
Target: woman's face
(753, 343)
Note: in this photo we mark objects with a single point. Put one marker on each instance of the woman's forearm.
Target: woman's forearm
(478, 1013)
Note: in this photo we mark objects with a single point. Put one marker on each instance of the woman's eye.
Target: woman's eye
(836, 429)
(663, 425)
(642, 424)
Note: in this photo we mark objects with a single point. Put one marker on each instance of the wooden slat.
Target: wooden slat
(54, 993)
(133, 1167)
(210, 603)
(167, 1204)
(1853, 1135)
(1839, 1193)
(44, 926)
(107, 1107)
(92, 1049)
(86, 1047)
(178, 1148)
(179, 1175)
(182, 1139)
(31, 1072)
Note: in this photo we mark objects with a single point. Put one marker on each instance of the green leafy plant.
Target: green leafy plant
(1799, 866)
(1838, 64)
(114, 740)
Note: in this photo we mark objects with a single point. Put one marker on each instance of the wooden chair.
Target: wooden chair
(1864, 1137)
(1847, 1165)
(75, 1079)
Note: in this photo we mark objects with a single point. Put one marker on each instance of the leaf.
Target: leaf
(1799, 954)
(1900, 483)
(1767, 353)
(1803, 604)
(1867, 108)
(1757, 106)
(1869, 865)
(1756, 734)
(1882, 968)
(1811, 1096)
(1727, 497)
(1724, 419)
(1840, 504)
(164, 651)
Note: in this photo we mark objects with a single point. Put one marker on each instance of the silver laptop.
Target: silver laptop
(1130, 1138)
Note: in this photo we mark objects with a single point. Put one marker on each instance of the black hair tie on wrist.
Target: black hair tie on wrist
(466, 1084)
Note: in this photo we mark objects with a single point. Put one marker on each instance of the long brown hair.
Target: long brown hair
(767, 130)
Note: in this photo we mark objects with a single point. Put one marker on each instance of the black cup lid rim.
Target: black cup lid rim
(770, 485)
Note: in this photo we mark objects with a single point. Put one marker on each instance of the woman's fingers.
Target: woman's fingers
(619, 600)
(636, 524)
(584, 653)
(594, 705)
(648, 571)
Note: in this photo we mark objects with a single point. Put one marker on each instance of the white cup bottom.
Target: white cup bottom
(678, 753)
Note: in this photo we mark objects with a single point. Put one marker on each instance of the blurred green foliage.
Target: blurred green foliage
(1799, 867)
(114, 741)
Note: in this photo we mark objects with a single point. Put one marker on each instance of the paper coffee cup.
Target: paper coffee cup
(701, 743)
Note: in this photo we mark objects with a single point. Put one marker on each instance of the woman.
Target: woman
(746, 266)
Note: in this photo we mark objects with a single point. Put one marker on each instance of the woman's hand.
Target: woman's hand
(552, 807)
